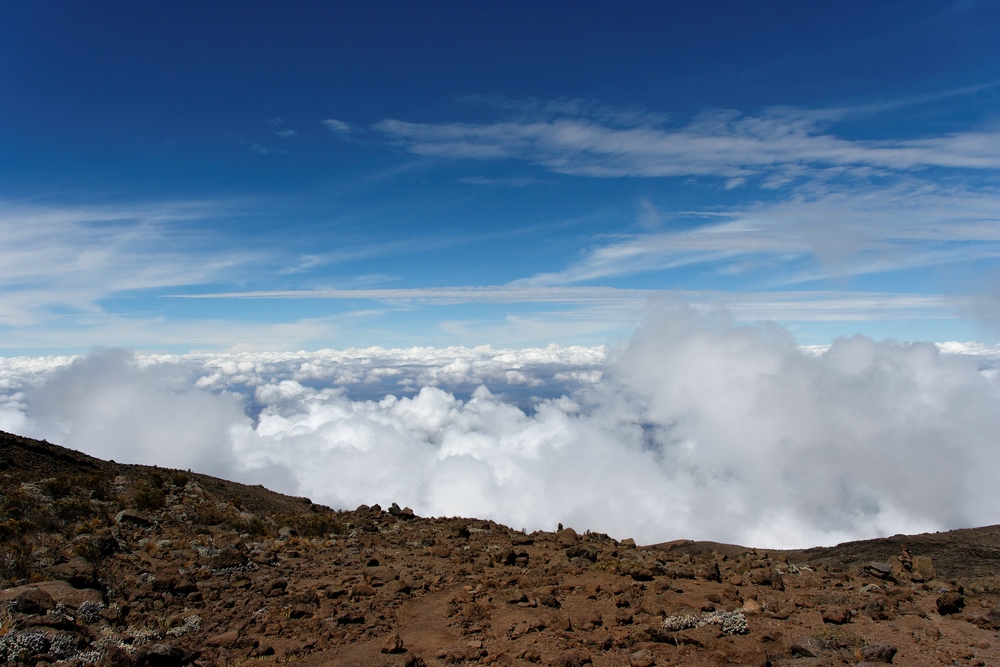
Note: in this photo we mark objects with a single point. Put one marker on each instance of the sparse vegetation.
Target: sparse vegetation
(239, 574)
(148, 496)
(320, 524)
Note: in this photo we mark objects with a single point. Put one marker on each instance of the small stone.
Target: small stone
(276, 587)
(574, 658)
(623, 618)
(641, 658)
(380, 575)
(393, 644)
(529, 655)
(517, 596)
(807, 647)
(162, 655)
(880, 570)
(396, 588)
(362, 590)
(228, 558)
(581, 551)
(990, 620)
(711, 572)
(881, 652)
(134, 518)
(225, 640)
(836, 615)
(395, 511)
(350, 618)
(628, 543)
(334, 592)
(951, 602)
(300, 611)
(767, 577)
(549, 600)
(115, 656)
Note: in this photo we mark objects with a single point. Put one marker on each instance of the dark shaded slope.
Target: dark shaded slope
(41, 459)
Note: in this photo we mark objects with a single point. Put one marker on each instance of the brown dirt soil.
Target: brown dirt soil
(130, 565)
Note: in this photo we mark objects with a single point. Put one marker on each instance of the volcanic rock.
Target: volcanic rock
(641, 658)
(951, 602)
(807, 647)
(922, 569)
(162, 655)
(393, 644)
(79, 572)
(880, 652)
(31, 600)
(243, 575)
(836, 615)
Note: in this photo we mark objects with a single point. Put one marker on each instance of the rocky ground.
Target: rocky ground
(137, 566)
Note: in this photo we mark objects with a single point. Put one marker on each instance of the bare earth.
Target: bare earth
(137, 566)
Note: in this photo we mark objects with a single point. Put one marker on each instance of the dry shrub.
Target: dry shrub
(180, 479)
(148, 496)
(74, 509)
(58, 487)
(320, 524)
(15, 560)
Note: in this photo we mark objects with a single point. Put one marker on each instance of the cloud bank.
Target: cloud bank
(697, 428)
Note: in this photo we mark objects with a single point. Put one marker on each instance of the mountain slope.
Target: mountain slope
(117, 564)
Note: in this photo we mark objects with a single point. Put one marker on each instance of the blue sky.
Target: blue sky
(182, 176)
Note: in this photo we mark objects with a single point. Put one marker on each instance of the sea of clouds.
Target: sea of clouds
(696, 428)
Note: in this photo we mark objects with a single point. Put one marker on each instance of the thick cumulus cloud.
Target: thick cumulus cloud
(697, 429)
(863, 438)
(104, 403)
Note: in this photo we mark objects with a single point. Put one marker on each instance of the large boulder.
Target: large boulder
(61, 592)
(33, 601)
(79, 572)
(922, 569)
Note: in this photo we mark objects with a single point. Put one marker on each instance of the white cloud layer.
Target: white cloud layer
(697, 428)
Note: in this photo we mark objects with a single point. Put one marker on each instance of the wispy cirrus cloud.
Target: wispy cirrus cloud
(511, 182)
(805, 305)
(721, 143)
(337, 126)
(67, 259)
(833, 231)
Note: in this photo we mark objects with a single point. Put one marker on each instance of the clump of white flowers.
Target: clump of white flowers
(731, 622)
